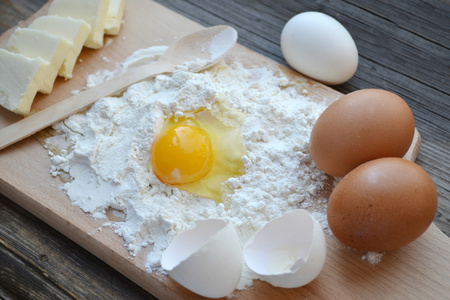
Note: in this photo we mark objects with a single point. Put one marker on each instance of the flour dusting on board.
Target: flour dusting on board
(108, 149)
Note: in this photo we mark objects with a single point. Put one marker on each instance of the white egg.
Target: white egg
(206, 259)
(289, 251)
(319, 47)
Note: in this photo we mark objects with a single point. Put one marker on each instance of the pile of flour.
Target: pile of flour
(108, 148)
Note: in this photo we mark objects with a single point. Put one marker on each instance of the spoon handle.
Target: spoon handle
(63, 109)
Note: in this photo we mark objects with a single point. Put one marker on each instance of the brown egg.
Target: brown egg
(361, 126)
(382, 205)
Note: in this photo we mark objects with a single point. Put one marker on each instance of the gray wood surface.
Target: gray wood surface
(404, 47)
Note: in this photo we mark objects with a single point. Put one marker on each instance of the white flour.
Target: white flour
(109, 150)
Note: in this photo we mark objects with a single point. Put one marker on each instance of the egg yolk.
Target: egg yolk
(182, 154)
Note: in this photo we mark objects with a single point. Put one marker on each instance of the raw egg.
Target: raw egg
(382, 205)
(199, 151)
(206, 259)
(318, 46)
(361, 126)
(182, 154)
(288, 251)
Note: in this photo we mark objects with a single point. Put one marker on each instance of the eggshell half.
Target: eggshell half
(206, 259)
(289, 251)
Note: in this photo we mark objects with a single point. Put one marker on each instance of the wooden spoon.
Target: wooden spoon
(205, 47)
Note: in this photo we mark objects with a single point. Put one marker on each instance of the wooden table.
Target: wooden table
(403, 48)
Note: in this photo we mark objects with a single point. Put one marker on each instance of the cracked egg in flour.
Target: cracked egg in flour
(199, 151)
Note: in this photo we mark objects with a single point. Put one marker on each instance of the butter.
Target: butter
(37, 43)
(74, 30)
(20, 79)
(114, 17)
(93, 12)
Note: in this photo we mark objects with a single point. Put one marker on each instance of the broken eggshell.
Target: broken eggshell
(206, 259)
(289, 251)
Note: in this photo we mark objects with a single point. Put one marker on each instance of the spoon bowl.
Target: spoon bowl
(204, 47)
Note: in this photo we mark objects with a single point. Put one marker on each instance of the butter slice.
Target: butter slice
(114, 17)
(93, 12)
(20, 79)
(74, 30)
(37, 43)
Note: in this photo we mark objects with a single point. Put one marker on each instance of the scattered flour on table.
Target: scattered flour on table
(372, 257)
(107, 151)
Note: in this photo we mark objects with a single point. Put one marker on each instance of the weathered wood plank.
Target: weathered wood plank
(38, 262)
(19, 281)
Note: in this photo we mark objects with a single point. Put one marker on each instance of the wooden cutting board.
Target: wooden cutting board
(417, 271)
